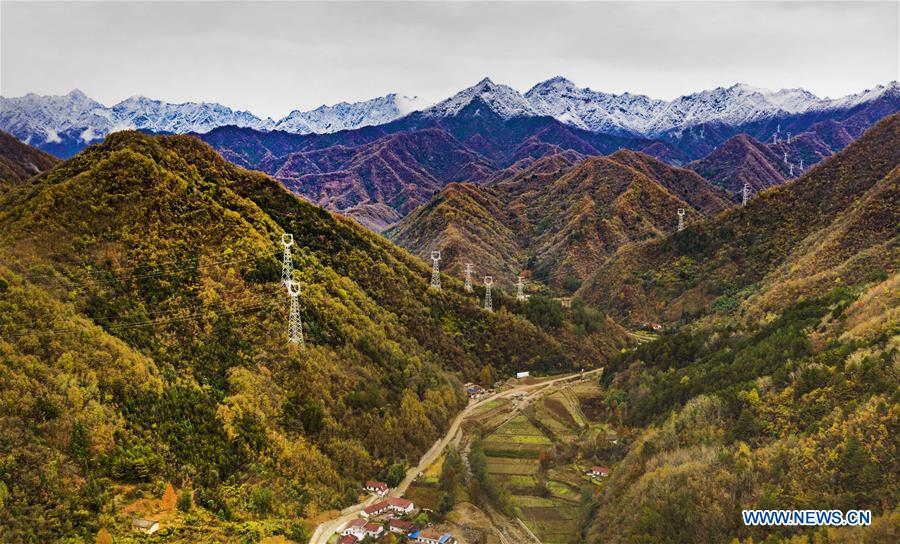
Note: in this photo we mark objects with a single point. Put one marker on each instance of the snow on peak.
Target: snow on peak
(643, 116)
(503, 100)
(344, 115)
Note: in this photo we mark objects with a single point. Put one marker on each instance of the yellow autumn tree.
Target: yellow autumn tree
(169, 498)
(103, 537)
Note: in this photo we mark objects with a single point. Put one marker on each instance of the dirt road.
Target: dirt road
(324, 531)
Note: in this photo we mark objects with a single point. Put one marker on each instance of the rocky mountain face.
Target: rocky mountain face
(557, 218)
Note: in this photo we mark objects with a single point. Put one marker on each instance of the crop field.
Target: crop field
(505, 465)
(517, 438)
(568, 475)
(517, 483)
(552, 520)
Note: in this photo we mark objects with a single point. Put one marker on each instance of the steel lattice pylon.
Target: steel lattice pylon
(488, 303)
(469, 277)
(680, 219)
(287, 264)
(295, 325)
(520, 289)
(435, 270)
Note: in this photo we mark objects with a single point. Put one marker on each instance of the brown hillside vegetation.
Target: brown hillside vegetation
(837, 224)
(19, 161)
(564, 215)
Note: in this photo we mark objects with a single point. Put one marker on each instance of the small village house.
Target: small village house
(378, 488)
(393, 505)
(598, 472)
(355, 528)
(373, 530)
(348, 539)
(400, 527)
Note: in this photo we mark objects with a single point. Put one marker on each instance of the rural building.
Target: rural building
(348, 539)
(146, 526)
(374, 530)
(598, 472)
(400, 527)
(378, 488)
(355, 528)
(392, 504)
(431, 537)
(473, 390)
(521, 375)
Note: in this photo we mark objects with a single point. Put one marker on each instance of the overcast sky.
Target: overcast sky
(274, 57)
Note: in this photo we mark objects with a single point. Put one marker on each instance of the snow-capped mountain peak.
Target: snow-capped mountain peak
(345, 115)
(503, 100)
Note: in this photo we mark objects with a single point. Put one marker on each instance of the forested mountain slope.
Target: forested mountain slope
(143, 340)
(558, 217)
(775, 385)
(837, 224)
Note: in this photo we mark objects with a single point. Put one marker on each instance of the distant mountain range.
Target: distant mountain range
(58, 123)
(376, 160)
(63, 125)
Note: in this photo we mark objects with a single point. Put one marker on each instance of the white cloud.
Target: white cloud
(88, 135)
(51, 136)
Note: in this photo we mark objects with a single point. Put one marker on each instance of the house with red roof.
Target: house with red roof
(378, 488)
(400, 527)
(355, 528)
(598, 472)
(394, 505)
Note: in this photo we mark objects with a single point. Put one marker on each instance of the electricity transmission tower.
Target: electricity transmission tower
(488, 303)
(435, 271)
(745, 194)
(469, 277)
(520, 288)
(792, 171)
(801, 165)
(287, 265)
(295, 326)
(680, 219)
(789, 138)
(785, 157)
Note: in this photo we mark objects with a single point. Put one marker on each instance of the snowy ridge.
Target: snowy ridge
(344, 115)
(504, 101)
(40, 120)
(75, 119)
(643, 116)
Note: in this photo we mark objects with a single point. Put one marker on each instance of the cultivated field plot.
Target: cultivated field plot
(517, 483)
(507, 465)
(568, 475)
(553, 521)
(517, 438)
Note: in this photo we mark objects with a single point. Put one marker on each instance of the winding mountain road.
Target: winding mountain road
(324, 531)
